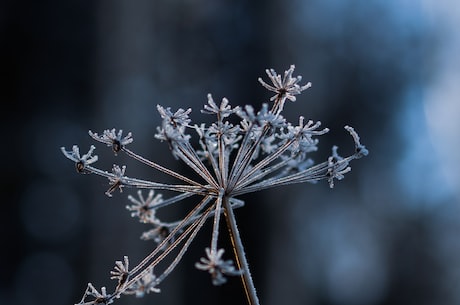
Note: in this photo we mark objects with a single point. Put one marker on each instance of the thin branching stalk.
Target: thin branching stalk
(240, 255)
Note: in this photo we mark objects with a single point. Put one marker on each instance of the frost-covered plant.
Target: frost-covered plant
(263, 150)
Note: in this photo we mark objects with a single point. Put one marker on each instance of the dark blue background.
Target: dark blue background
(387, 234)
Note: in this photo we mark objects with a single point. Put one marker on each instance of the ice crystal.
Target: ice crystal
(262, 150)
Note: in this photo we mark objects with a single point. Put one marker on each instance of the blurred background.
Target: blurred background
(387, 234)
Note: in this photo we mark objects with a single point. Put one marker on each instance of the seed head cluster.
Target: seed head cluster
(261, 151)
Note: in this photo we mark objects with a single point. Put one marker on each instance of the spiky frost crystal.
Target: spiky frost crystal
(262, 151)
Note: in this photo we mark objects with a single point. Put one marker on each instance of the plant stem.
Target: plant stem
(240, 256)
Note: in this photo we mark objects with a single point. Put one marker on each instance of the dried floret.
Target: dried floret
(216, 266)
(113, 139)
(81, 162)
(121, 272)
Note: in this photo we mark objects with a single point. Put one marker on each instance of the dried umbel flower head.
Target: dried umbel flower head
(263, 150)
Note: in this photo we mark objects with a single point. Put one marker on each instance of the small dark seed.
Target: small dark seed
(116, 146)
(80, 166)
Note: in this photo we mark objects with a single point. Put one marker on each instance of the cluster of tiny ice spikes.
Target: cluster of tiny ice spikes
(262, 151)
